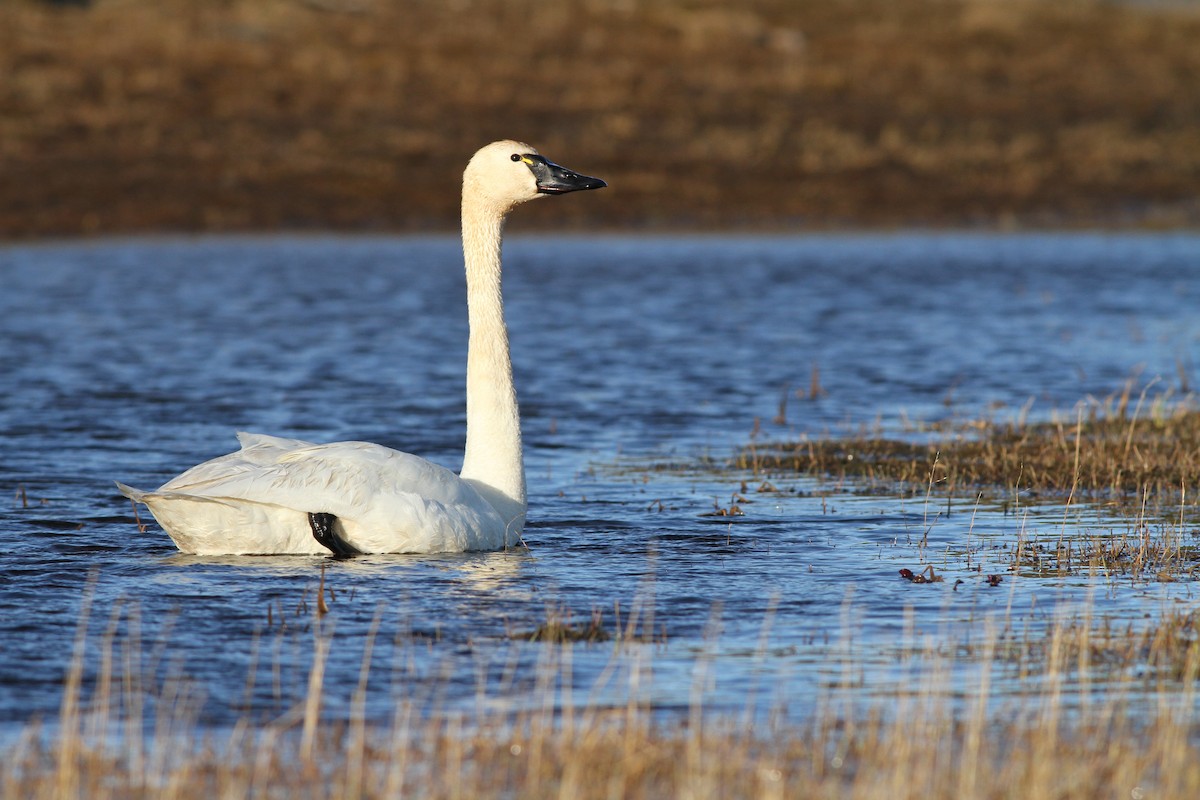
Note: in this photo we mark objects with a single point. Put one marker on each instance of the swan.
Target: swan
(277, 496)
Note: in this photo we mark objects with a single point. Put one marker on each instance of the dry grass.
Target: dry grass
(1125, 453)
(132, 115)
(1025, 723)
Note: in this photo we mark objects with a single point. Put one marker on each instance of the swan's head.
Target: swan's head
(507, 173)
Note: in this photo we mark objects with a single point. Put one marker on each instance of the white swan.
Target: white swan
(287, 496)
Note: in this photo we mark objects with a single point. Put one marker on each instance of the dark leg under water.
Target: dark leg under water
(322, 530)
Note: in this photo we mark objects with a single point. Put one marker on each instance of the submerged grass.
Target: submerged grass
(1085, 710)
(560, 627)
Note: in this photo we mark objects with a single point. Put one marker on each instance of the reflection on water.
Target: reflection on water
(132, 360)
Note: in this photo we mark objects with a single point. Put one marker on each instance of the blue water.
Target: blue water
(132, 360)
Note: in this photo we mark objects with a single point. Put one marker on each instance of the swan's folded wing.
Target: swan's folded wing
(357, 471)
(261, 444)
(257, 451)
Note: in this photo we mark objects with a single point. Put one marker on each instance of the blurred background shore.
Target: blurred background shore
(145, 116)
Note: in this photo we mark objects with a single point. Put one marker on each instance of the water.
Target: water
(134, 359)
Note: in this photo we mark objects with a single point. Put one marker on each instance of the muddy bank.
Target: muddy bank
(131, 116)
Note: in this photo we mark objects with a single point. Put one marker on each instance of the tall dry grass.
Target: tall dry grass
(1086, 710)
(1129, 451)
(132, 115)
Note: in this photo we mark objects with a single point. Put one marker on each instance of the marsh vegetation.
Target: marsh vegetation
(1079, 710)
(1100, 452)
(135, 116)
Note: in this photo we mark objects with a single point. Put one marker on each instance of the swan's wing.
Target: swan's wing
(258, 450)
(256, 443)
(338, 478)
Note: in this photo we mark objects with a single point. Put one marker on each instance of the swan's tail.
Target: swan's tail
(149, 498)
(136, 495)
(219, 526)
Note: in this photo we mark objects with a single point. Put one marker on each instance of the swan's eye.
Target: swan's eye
(516, 156)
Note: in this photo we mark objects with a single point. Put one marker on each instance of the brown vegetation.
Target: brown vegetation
(131, 115)
(1082, 711)
(1116, 455)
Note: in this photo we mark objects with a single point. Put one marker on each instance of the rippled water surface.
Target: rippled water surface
(133, 360)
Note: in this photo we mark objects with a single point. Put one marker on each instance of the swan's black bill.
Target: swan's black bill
(553, 179)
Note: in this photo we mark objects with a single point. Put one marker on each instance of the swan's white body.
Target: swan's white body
(256, 501)
(259, 499)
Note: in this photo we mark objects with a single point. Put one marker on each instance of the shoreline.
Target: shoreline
(516, 230)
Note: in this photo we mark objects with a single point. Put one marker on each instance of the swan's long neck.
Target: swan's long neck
(493, 462)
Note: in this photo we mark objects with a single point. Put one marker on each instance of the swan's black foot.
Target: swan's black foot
(322, 529)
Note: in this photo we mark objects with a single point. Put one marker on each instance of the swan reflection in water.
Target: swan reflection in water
(478, 573)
